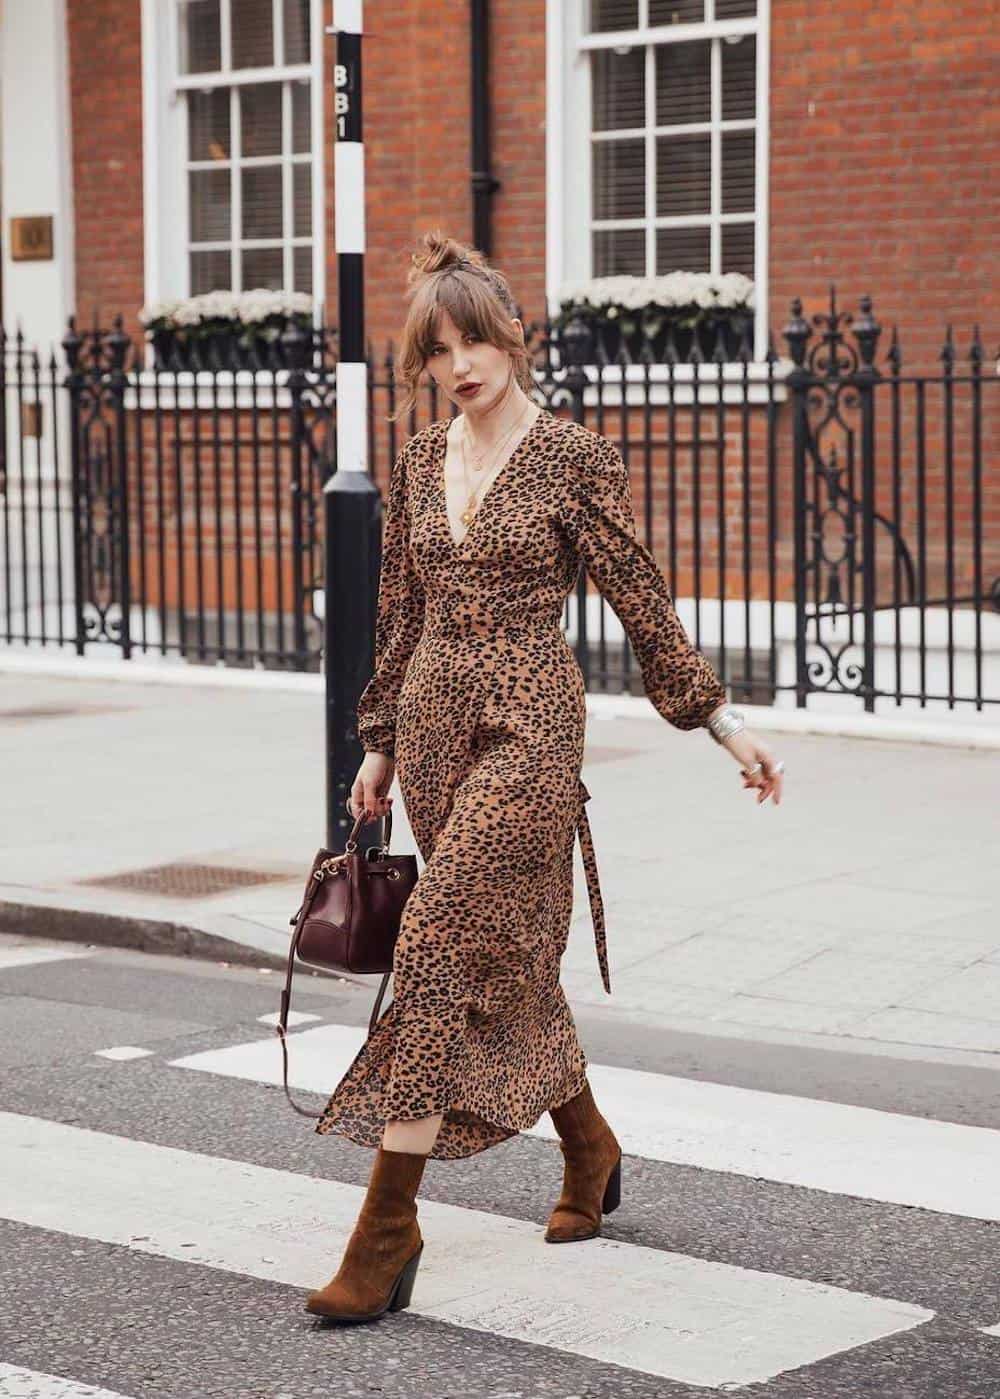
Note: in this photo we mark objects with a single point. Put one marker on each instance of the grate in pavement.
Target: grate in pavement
(181, 880)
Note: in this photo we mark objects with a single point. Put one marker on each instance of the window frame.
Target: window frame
(569, 199)
(166, 216)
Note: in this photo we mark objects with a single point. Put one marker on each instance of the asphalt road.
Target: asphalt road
(160, 1222)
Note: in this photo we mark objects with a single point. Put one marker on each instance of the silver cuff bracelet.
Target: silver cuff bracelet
(724, 725)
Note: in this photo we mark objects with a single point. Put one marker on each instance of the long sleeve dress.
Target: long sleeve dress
(480, 700)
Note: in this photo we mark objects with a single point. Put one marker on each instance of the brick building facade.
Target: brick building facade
(187, 146)
(870, 160)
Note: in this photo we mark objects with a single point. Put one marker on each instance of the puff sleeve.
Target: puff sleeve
(598, 519)
(399, 620)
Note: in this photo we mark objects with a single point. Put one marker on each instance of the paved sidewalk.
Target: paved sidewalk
(864, 912)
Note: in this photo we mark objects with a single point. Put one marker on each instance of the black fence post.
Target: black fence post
(71, 346)
(866, 333)
(296, 346)
(799, 381)
(118, 345)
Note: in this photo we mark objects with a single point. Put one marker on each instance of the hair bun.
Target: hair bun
(439, 253)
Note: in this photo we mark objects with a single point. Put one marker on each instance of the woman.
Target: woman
(477, 704)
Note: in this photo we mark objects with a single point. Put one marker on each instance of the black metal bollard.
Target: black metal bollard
(353, 555)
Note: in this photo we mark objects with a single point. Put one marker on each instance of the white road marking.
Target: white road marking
(124, 1051)
(684, 1318)
(295, 1017)
(836, 1147)
(991, 1330)
(17, 1383)
(26, 956)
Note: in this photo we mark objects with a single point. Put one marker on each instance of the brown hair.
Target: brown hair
(445, 274)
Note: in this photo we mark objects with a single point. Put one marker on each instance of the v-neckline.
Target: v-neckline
(442, 485)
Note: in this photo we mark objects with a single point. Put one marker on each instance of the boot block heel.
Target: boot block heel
(613, 1190)
(403, 1290)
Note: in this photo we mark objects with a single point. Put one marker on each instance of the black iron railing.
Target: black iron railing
(825, 520)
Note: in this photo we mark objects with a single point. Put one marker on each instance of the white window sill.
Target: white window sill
(187, 388)
(753, 382)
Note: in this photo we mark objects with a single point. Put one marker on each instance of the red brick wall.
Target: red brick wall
(888, 183)
(416, 126)
(105, 69)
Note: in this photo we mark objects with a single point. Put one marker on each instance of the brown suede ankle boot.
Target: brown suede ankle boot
(592, 1174)
(380, 1264)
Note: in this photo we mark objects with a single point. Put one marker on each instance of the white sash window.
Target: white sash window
(236, 183)
(657, 138)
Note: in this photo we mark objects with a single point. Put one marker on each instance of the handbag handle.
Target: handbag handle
(298, 922)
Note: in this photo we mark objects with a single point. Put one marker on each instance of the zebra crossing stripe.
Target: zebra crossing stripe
(687, 1319)
(847, 1150)
(28, 956)
(18, 1383)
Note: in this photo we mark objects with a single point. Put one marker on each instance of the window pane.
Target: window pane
(619, 252)
(260, 119)
(739, 68)
(619, 173)
(303, 270)
(211, 272)
(253, 33)
(735, 9)
(619, 89)
(738, 248)
(613, 14)
(682, 250)
(208, 125)
(211, 206)
(302, 186)
(201, 37)
(683, 175)
(296, 31)
(678, 11)
(737, 172)
(263, 267)
(262, 202)
(682, 83)
(301, 118)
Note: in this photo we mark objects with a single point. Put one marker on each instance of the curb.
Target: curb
(139, 934)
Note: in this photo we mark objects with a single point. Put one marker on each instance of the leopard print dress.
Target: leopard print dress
(479, 699)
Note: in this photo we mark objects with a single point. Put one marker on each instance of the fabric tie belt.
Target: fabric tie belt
(593, 887)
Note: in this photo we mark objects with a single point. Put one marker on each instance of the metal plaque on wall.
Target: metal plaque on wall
(31, 238)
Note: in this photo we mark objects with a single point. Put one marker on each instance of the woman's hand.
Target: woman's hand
(748, 752)
(371, 785)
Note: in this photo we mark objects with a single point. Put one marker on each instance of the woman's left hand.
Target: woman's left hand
(758, 765)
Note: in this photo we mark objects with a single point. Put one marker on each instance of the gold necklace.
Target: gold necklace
(472, 504)
(479, 459)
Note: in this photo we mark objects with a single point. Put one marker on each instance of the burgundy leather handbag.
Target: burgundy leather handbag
(349, 918)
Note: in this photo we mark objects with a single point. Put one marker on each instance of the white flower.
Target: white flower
(246, 308)
(677, 288)
(158, 311)
(187, 312)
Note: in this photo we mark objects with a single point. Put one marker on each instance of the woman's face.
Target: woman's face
(456, 359)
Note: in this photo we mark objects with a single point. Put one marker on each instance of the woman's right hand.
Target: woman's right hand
(370, 788)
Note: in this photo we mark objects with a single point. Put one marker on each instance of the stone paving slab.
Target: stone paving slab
(866, 907)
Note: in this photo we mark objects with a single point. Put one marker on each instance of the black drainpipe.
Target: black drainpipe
(484, 185)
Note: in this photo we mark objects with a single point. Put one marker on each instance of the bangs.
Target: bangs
(469, 303)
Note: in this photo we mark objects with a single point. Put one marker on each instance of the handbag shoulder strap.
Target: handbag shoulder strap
(286, 995)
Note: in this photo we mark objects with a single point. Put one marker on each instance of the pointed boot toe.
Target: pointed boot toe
(379, 1265)
(349, 1299)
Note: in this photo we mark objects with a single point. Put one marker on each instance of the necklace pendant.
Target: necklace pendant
(466, 515)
